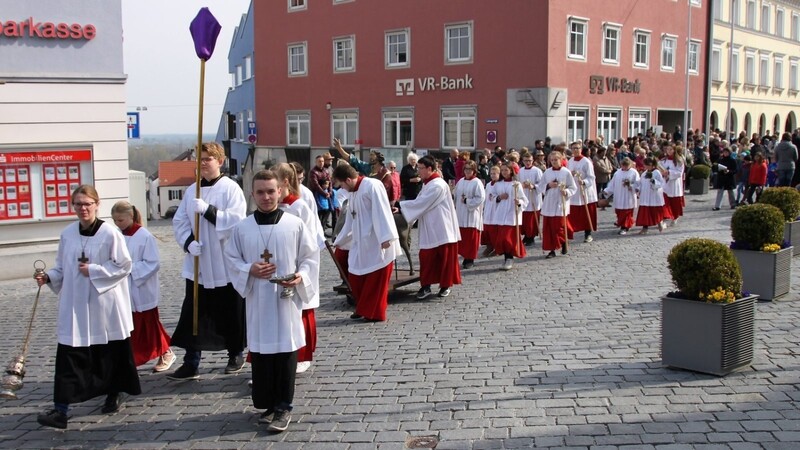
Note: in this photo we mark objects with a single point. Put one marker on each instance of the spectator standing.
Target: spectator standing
(786, 157)
(410, 182)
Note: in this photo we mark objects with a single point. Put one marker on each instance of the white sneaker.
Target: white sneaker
(588, 239)
(165, 361)
(622, 232)
(507, 264)
(303, 366)
(661, 226)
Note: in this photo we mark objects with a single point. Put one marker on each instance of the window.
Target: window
(638, 122)
(238, 76)
(777, 82)
(576, 125)
(796, 27)
(793, 76)
(296, 5)
(765, 15)
(737, 20)
(668, 44)
(577, 38)
(344, 54)
(750, 15)
(233, 79)
(716, 68)
(611, 44)
(750, 68)
(458, 128)
(458, 43)
(763, 71)
(641, 49)
(297, 59)
(608, 125)
(779, 22)
(248, 67)
(298, 129)
(694, 56)
(718, 9)
(175, 194)
(240, 125)
(397, 49)
(735, 67)
(345, 127)
(398, 128)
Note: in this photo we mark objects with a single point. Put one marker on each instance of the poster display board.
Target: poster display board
(37, 184)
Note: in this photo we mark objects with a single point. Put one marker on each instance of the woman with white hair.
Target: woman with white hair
(410, 181)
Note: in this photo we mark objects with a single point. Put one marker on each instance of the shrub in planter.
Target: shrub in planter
(786, 199)
(700, 172)
(754, 226)
(701, 267)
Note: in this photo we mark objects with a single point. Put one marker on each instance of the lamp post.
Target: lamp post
(688, 57)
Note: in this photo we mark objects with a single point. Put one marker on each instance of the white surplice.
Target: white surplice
(308, 196)
(650, 190)
(274, 324)
(227, 197)
(95, 309)
(368, 223)
(469, 198)
(504, 209)
(552, 202)
(434, 210)
(673, 186)
(532, 176)
(585, 168)
(490, 204)
(299, 208)
(623, 187)
(143, 279)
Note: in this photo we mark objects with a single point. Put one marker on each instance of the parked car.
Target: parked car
(171, 212)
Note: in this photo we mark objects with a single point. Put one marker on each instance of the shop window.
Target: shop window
(638, 122)
(608, 125)
(576, 125)
(298, 129)
(344, 125)
(458, 128)
(398, 128)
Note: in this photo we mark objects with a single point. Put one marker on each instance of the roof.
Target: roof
(176, 173)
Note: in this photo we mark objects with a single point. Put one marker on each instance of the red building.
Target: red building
(472, 73)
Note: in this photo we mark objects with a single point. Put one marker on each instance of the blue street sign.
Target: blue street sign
(251, 128)
(133, 125)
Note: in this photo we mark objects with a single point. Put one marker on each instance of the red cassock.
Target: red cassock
(553, 236)
(673, 206)
(650, 216)
(439, 265)
(306, 353)
(486, 235)
(579, 221)
(506, 242)
(149, 339)
(625, 217)
(469, 243)
(371, 292)
(341, 256)
(530, 223)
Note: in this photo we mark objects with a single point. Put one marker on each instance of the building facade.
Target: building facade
(470, 74)
(754, 66)
(239, 111)
(62, 115)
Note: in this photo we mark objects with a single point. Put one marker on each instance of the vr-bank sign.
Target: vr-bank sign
(405, 86)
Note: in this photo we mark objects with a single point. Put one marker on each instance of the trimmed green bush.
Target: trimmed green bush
(702, 265)
(786, 199)
(757, 225)
(700, 172)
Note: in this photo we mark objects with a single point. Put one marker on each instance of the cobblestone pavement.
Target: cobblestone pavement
(555, 353)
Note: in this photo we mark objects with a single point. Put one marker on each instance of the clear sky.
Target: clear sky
(163, 69)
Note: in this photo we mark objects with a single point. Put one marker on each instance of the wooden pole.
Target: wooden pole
(197, 195)
(516, 221)
(564, 211)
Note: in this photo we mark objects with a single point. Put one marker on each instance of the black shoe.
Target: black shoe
(563, 249)
(468, 264)
(444, 292)
(113, 402)
(552, 254)
(715, 209)
(424, 293)
(53, 419)
(280, 421)
(235, 364)
(184, 373)
(355, 316)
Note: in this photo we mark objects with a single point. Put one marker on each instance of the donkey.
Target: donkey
(403, 231)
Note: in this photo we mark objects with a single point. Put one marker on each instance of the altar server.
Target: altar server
(529, 176)
(623, 187)
(469, 198)
(558, 186)
(651, 198)
(509, 202)
(583, 204)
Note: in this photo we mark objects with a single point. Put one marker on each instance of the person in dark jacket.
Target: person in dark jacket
(410, 181)
(726, 178)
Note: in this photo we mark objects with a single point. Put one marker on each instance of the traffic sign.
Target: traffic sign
(491, 136)
(252, 138)
(133, 125)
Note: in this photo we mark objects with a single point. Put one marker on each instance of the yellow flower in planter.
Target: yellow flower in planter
(718, 295)
(770, 248)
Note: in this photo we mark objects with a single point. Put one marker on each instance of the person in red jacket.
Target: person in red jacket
(758, 177)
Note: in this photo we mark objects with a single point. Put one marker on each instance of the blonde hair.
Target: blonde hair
(87, 190)
(287, 173)
(125, 207)
(214, 149)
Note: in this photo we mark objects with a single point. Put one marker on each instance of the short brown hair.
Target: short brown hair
(344, 172)
(87, 190)
(213, 149)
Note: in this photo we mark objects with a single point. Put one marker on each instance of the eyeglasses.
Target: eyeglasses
(82, 205)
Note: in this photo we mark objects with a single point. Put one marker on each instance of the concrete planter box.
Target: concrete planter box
(714, 338)
(791, 233)
(698, 186)
(767, 275)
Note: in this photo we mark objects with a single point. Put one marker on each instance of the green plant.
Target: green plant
(754, 226)
(786, 199)
(700, 172)
(702, 266)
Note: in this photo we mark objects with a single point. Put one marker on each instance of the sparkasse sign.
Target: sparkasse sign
(46, 30)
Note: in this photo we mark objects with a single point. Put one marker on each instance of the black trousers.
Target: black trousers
(273, 380)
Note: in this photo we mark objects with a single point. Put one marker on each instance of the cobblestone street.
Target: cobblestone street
(554, 353)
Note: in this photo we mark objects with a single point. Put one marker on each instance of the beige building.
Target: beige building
(757, 67)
